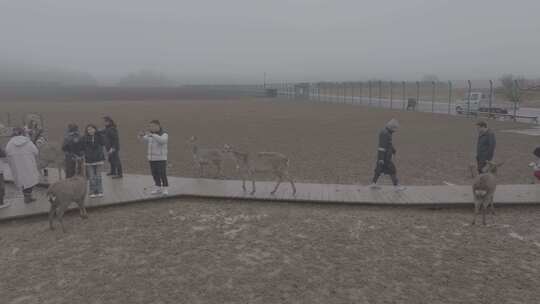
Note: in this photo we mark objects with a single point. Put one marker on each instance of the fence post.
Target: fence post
(391, 94)
(449, 97)
(433, 97)
(469, 98)
(515, 93)
(369, 89)
(352, 92)
(404, 91)
(490, 97)
(417, 94)
(361, 92)
(344, 92)
(380, 93)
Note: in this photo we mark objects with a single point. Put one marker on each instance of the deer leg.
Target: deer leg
(82, 210)
(484, 209)
(280, 179)
(476, 205)
(253, 189)
(201, 170)
(492, 205)
(244, 177)
(52, 212)
(60, 215)
(218, 170)
(288, 177)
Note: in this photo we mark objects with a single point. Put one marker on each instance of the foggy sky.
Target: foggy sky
(225, 41)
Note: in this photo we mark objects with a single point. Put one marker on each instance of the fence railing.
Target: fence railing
(425, 96)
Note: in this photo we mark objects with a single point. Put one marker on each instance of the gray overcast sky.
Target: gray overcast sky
(294, 40)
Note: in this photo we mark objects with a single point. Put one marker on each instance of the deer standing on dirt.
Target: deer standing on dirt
(484, 187)
(206, 156)
(273, 163)
(64, 192)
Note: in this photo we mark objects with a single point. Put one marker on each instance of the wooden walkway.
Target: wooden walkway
(136, 188)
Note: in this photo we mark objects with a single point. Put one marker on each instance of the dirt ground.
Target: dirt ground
(327, 143)
(249, 252)
(193, 251)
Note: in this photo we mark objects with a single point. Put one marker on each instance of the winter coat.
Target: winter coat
(21, 155)
(485, 149)
(157, 146)
(112, 139)
(73, 145)
(3, 160)
(93, 149)
(385, 149)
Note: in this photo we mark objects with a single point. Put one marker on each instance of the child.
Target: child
(536, 165)
(2, 187)
(157, 141)
(94, 157)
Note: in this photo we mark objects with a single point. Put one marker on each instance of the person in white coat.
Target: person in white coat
(157, 145)
(21, 155)
(2, 169)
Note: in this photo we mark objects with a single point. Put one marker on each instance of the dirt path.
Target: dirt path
(230, 252)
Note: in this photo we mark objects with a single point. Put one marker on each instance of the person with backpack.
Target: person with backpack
(157, 145)
(94, 157)
(112, 146)
(73, 149)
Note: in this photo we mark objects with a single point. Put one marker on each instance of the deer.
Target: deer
(206, 156)
(64, 192)
(273, 163)
(484, 187)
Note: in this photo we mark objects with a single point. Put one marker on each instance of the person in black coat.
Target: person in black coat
(385, 152)
(485, 147)
(112, 146)
(73, 148)
(94, 157)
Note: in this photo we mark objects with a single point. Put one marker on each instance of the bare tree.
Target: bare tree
(510, 87)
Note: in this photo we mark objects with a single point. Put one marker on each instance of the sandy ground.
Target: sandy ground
(249, 252)
(327, 143)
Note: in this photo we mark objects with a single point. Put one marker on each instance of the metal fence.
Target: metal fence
(453, 98)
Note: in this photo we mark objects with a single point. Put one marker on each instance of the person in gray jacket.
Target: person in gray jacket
(485, 147)
(157, 149)
(385, 152)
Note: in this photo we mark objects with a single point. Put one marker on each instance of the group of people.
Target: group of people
(94, 146)
(485, 151)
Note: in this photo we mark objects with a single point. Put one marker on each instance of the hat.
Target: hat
(17, 131)
(73, 127)
(482, 124)
(392, 124)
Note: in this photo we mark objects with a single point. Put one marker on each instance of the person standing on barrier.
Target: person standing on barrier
(385, 152)
(485, 147)
(157, 149)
